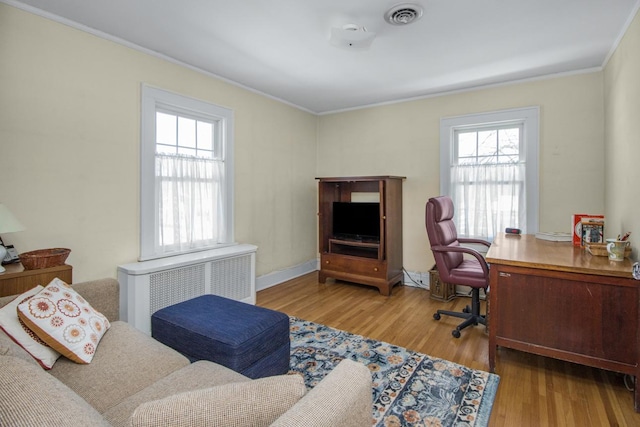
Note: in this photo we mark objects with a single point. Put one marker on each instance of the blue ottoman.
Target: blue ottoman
(248, 339)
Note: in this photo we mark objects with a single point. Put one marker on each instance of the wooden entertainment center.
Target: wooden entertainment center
(373, 262)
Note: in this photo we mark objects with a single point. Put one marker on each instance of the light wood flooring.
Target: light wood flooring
(533, 390)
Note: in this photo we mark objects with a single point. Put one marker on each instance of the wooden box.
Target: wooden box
(440, 290)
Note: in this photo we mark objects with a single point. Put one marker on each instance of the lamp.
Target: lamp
(8, 224)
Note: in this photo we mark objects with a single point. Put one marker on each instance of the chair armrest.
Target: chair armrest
(343, 398)
(464, 250)
(477, 241)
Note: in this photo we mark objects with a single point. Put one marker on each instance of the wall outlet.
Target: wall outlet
(416, 279)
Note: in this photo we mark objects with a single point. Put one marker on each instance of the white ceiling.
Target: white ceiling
(281, 47)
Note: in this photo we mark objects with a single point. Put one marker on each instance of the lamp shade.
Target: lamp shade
(8, 222)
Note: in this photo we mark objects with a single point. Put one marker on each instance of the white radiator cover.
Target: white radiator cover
(148, 286)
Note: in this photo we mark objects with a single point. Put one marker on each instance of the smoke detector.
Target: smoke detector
(351, 36)
(403, 14)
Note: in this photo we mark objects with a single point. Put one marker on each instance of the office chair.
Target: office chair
(452, 266)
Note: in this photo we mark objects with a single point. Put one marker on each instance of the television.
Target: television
(356, 221)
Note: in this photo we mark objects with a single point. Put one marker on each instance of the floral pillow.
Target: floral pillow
(64, 320)
(22, 335)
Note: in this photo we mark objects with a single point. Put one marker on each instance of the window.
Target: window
(186, 175)
(489, 167)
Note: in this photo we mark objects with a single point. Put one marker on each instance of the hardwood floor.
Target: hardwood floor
(533, 390)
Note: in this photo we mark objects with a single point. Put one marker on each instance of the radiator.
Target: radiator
(148, 286)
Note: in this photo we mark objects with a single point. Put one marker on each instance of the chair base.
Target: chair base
(471, 314)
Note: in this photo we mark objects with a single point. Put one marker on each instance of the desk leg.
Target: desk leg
(493, 311)
(636, 395)
(492, 361)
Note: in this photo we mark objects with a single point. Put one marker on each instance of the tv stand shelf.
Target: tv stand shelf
(354, 248)
(368, 262)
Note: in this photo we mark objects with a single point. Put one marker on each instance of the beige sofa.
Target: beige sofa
(134, 380)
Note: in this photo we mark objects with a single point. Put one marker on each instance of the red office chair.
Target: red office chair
(451, 264)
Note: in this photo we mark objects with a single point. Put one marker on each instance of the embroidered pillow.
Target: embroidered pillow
(64, 320)
(22, 335)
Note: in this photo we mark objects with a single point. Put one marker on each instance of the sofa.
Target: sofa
(134, 380)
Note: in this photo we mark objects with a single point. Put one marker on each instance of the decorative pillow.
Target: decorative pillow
(250, 403)
(22, 335)
(65, 321)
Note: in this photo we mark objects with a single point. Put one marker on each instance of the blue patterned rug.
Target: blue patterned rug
(409, 388)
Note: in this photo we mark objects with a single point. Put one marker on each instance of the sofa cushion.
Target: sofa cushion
(251, 403)
(343, 398)
(30, 396)
(126, 362)
(198, 375)
(8, 347)
(22, 335)
(64, 320)
(103, 295)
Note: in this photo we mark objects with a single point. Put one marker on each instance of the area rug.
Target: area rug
(409, 388)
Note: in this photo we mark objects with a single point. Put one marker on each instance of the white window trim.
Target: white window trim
(530, 119)
(151, 98)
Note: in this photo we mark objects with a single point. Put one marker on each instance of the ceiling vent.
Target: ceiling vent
(403, 14)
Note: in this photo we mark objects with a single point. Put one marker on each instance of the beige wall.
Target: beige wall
(403, 139)
(69, 149)
(622, 136)
(69, 138)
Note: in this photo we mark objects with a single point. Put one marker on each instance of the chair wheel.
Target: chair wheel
(455, 333)
(467, 309)
(436, 316)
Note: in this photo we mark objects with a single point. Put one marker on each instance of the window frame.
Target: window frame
(152, 100)
(529, 118)
(479, 129)
(217, 146)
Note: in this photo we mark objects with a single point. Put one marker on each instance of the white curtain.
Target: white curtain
(190, 203)
(488, 198)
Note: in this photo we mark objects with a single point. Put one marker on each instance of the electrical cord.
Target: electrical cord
(418, 284)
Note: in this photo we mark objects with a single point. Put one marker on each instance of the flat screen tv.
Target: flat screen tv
(359, 221)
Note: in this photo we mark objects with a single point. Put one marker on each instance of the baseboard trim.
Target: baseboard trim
(276, 277)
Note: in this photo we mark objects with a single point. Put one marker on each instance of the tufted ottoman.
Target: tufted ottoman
(251, 340)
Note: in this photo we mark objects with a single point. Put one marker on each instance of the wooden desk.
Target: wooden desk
(557, 300)
(17, 280)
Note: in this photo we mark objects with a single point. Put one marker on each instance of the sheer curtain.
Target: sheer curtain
(190, 197)
(488, 198)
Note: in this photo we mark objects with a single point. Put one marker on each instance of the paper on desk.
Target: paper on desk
(554, 236)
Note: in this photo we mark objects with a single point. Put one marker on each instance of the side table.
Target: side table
(17, 280)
